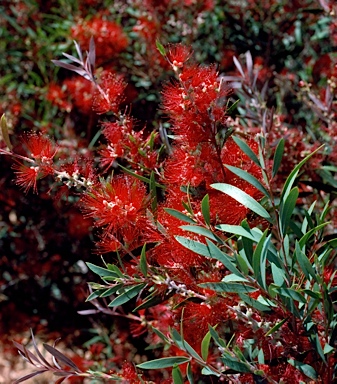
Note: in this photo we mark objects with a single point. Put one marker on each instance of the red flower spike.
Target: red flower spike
(26, 176)
(178, 54)
(117, 207)
(40, 147)
(110, 96)
(109, 37)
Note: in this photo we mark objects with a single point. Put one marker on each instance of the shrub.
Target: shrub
(217, 233)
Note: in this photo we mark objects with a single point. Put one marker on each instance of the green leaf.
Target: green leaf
(279, 275)
(201, 231)
(192, 245)
(276, 327)
(183, 344)
(216, 337)
(208, 371)
(328, 349)
(228, 287)
(312, 231)
(249, 178)
(153, 192)
(4, 131)
(231, 278)
(307, 218)
(164, 362)
(111, 290)
(306, 369)
(102, 272)
(143, 262)
(240, 231)
(291, 178)
(232, 107)
(246, 150)
(160, 334)
(242, 197)
(95, 294)
(236, 365)
(205, 345)
(305, 264)
(177, 375)
(139, 177)
(291, 293)
(160, 48)
(179, 215)
(255, 303)
(259, 259)
(127, 295)
(205, 210)
(278, 157)
(216, 254)
(189, 374)
(114, 268)
(247, 243)
(287, 209)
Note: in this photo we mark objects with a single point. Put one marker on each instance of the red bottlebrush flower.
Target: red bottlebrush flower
(119, 209)
(57, 96)
(130, 373)
(39, 147)
(178, 54)
(174, 99)
(197, 317)
(26, 176)
(109, 96)
(81, 91)
(109, 36)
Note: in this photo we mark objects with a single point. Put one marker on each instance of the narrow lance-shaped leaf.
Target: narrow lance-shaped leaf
(177, 375)
(160, 48)
(4, 131)
(307, 369)
(205, 345)
(102, 272)
(247, 150)
(287, 209)
(129, 294)
(179, 215)
(65, 360)
(202, 231)
(217, 254)
(29, 376)
(249, 178)
(189, 374)
(164, 362)
(183, 344)
(229, 287)
(278, 157)
(276, 327)
(255, 303)
(205, 209)
(305, 264)
(291, 178)
(242, 197)
(240, 231)
(153, 192)
(143, 261)
(192, 245)
(259, 259)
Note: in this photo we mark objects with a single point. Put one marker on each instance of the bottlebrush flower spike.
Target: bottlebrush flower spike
(178, 55)
(40, 147)
(110, 99)
(117, 204)
(26, 176)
